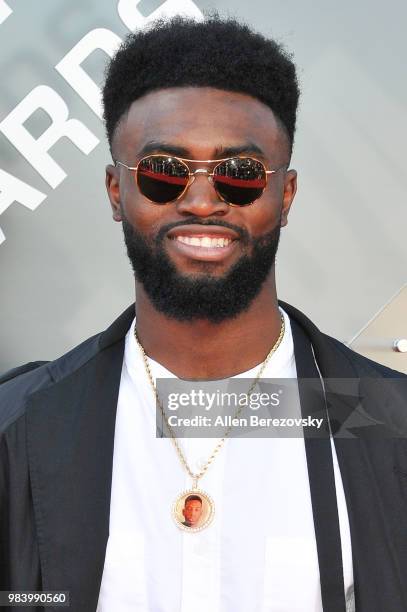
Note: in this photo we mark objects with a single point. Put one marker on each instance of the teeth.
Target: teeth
(205, 241)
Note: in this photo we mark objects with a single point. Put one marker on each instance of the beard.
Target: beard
(200, 296)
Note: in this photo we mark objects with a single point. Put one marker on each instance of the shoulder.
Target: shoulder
(363, 365)
(381, 393)
(337, 359)
(20, 383)
(17, 384)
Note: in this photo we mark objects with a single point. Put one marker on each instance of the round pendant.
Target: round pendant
(193, 510)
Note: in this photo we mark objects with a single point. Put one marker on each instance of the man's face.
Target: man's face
(200, 123)
(192, 511)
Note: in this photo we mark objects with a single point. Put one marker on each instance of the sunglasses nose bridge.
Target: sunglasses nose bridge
(200, 171)
(201, 203)
(197, 172)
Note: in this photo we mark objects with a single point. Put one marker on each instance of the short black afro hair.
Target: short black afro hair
(220, 53)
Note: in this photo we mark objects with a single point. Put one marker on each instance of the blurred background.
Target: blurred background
(63, 268)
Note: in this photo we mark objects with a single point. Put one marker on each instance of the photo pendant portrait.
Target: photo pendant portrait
(193, 510)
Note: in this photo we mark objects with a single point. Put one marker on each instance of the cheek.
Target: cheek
(263, 217)
(143, 215)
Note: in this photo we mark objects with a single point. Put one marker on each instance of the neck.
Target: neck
(205, 350)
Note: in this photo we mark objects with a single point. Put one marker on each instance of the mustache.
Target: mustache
(240, 231)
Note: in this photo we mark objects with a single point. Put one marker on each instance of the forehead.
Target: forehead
(199, 119)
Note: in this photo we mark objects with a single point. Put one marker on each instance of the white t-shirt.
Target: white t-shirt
(259, 554)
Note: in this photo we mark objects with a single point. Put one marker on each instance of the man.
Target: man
(201, 119)
(192, 511)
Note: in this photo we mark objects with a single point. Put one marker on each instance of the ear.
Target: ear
(290, 188)
(112, 182)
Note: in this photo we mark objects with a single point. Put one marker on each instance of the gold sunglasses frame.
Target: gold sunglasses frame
(192, 175)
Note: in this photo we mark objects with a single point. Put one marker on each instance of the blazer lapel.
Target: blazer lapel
(374, 484)
(70, 439)
(321, 476)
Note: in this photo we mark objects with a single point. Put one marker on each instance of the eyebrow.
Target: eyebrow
(156, 146)
(249, 148)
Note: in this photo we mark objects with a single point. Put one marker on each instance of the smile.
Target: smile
(204, 241)
(203, 247)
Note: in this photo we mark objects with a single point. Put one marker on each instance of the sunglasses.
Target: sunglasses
(238, 181)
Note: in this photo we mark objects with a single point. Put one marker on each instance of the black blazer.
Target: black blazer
(57, 424)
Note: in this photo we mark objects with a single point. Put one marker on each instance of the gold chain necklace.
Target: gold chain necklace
(194, 509)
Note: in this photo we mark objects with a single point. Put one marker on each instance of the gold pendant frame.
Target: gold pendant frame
(181, 503)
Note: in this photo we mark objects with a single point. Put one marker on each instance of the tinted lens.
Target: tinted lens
(162, 179)
(240, 180)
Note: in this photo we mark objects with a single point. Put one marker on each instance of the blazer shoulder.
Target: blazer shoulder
(364, 366)
(327, 346)
(20, 382)
(15, 385)
(27, 367)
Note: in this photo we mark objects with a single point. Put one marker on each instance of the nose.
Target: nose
(201, 199)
